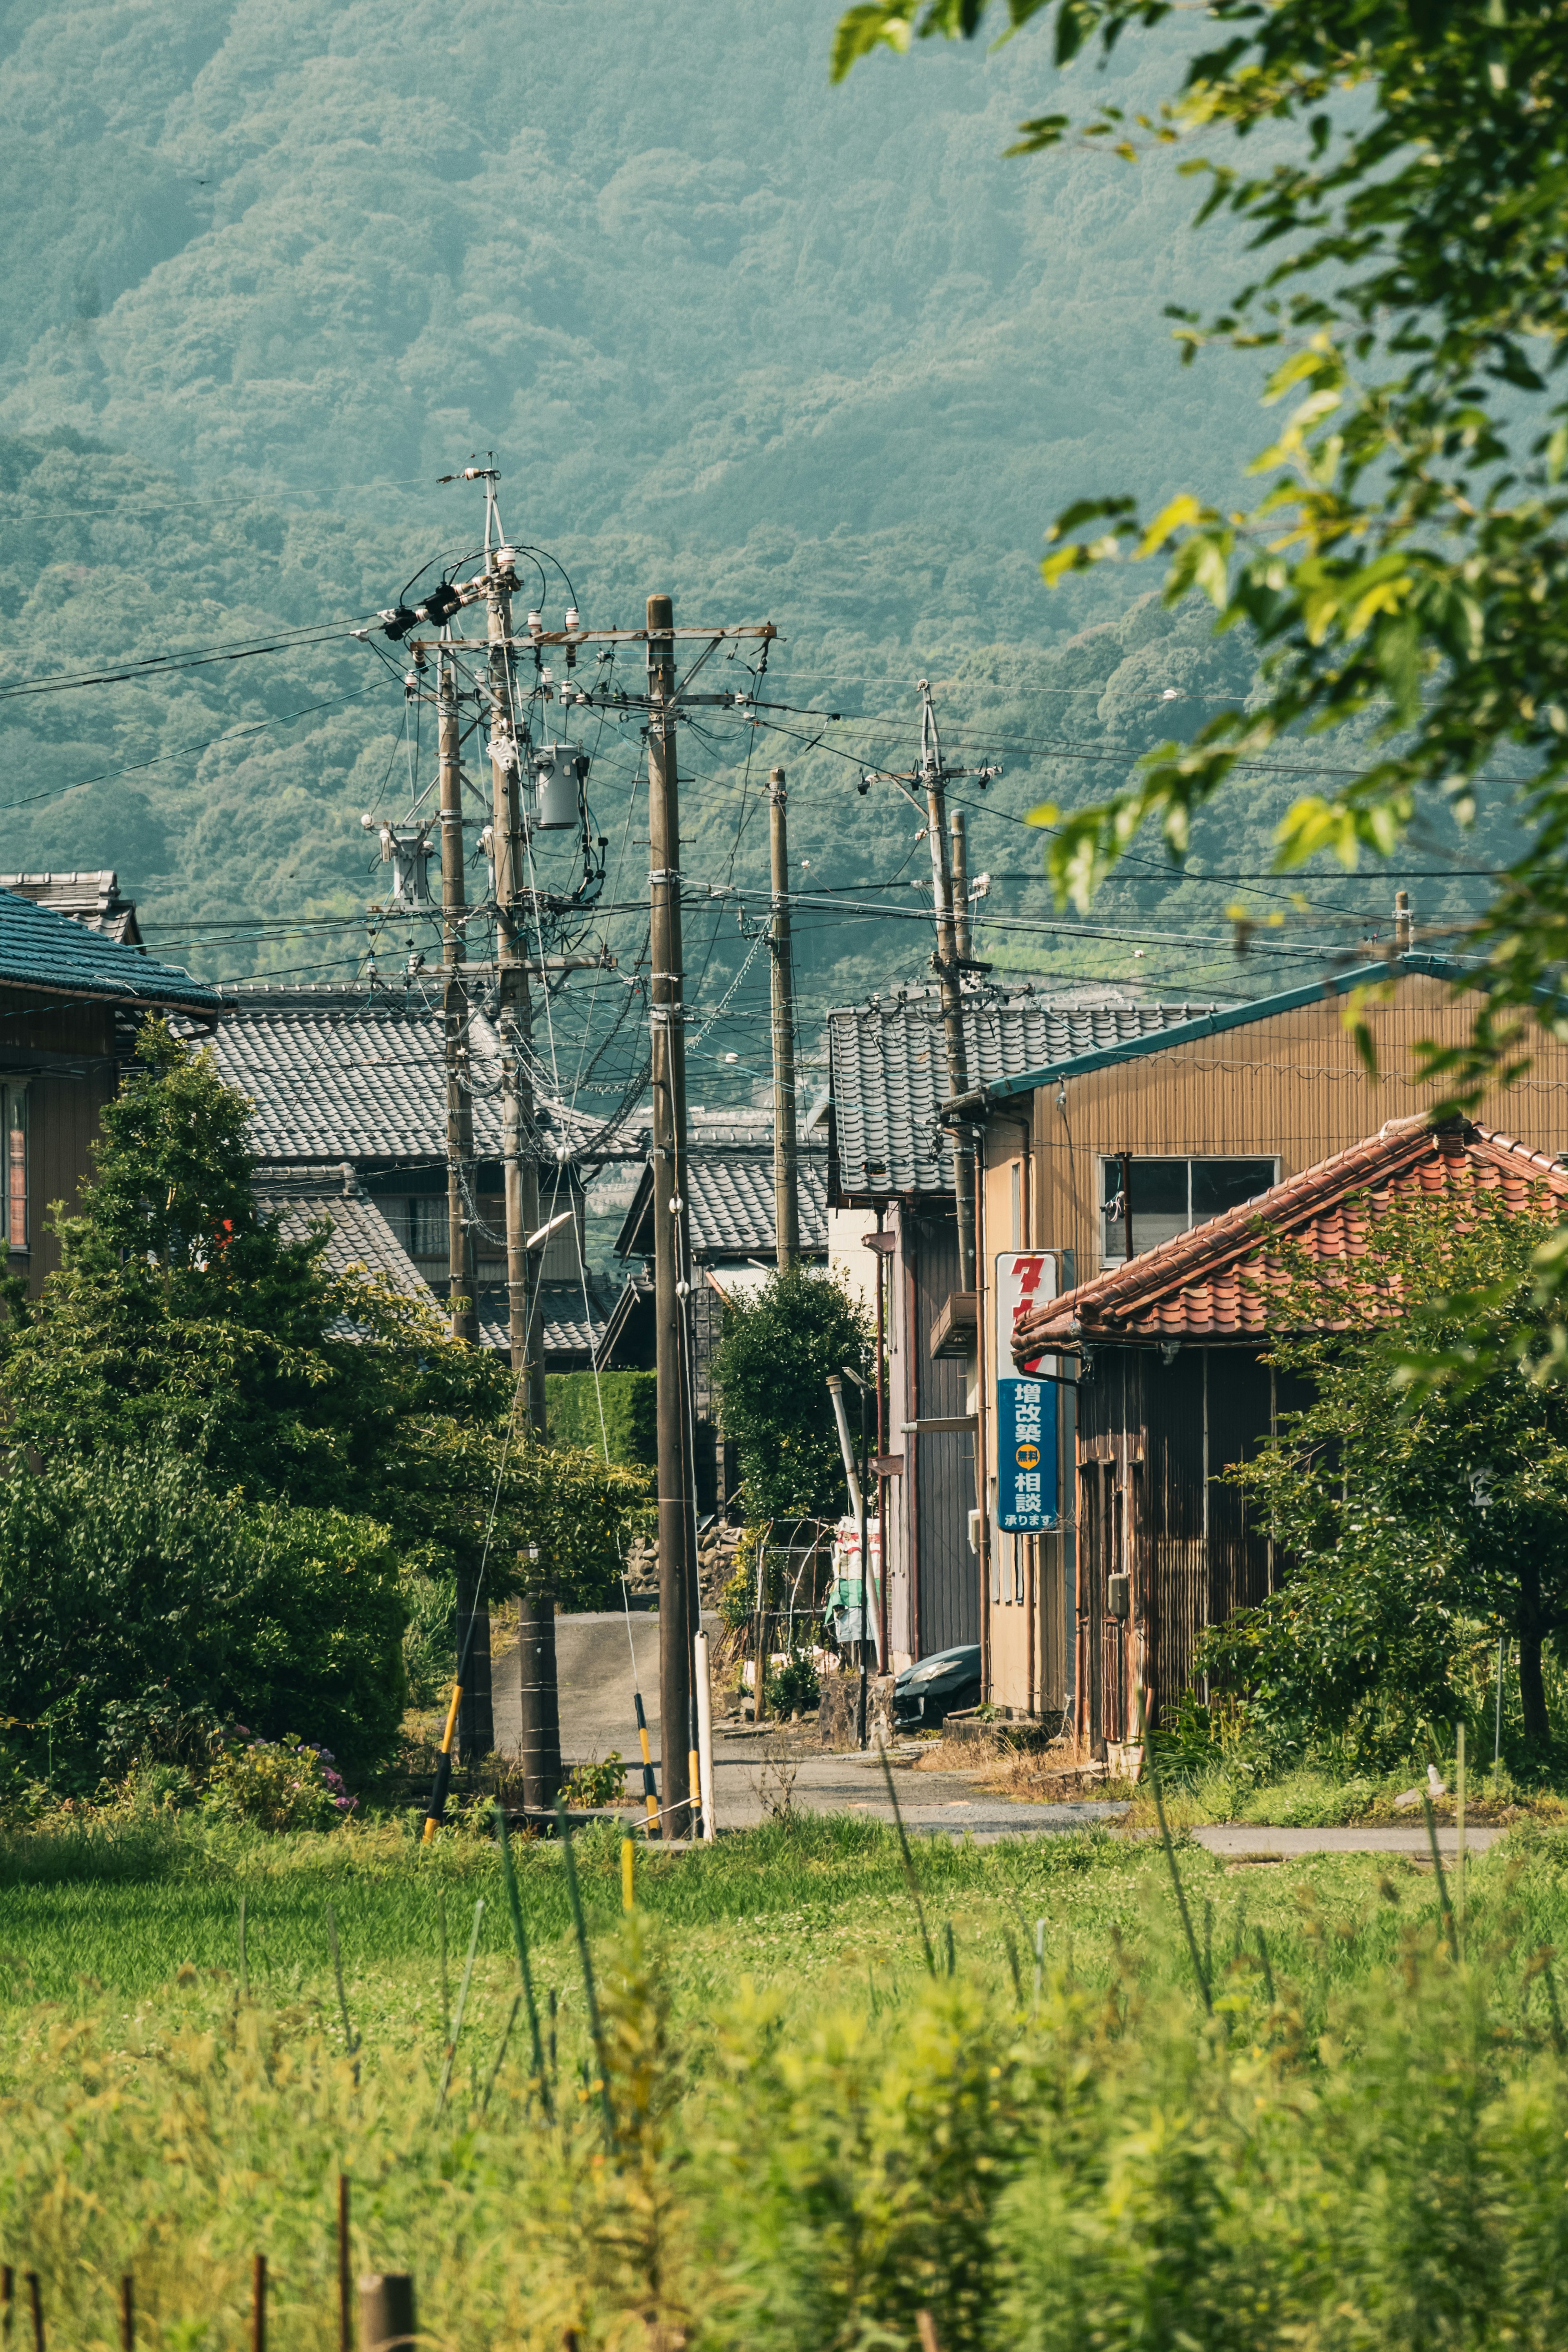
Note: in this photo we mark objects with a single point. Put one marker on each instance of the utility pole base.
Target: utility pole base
(541, 1705)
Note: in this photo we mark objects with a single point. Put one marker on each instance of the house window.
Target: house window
(1172, 1196)
(427, 1214)
(16, 1123)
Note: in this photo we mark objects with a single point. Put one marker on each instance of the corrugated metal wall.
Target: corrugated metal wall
(948, 1572)
(1292, 1087)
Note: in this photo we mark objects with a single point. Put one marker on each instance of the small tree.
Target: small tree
(771, 1366)
(325, 1418)
(1421, 1517)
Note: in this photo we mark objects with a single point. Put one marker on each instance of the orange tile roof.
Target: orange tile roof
(1212, 1282)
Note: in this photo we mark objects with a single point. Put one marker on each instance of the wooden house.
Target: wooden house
(353, 1077)
(892, 1222)
(1173, 1388)
(1159, 1135)
(72, 995)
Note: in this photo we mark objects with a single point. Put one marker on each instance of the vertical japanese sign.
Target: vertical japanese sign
(1026, 1407)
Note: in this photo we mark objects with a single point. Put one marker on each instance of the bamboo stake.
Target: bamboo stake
(1460, 1856)
(345, 2313)
(258, 2305)
(127, 2315)
(1446, 1908)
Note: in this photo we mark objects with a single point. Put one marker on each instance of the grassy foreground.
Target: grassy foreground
(813, 2139)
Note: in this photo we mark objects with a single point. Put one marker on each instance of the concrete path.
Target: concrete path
(756, 1775)
(1238, 1842)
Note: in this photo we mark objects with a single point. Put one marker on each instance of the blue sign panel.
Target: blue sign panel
(1025, 1457)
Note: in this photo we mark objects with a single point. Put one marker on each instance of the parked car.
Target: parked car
(935, 1688)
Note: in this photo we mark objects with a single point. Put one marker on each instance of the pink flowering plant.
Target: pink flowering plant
(278, 1784)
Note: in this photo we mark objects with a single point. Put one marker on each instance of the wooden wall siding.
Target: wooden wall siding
(1292, 1087)
(896, 1545)
(1171, 1538)
(949, 1572)
(66, 1052)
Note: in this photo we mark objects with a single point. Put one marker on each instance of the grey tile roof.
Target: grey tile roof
(889, 1069)
(42, 948)
(346, 1074)
(569, 1330)
(730, 1206)
(360, 1234)
(91, 896)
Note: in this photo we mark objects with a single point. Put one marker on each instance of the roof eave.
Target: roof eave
(1213, 1024)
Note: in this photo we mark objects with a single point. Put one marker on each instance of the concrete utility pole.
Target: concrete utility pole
(460, 1266)
(786, 1164)
(677, 1530)
(934, 775)
(538, 1702)
(961, 884)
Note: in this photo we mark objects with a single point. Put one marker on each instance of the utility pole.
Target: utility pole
(786, 1165)
(961, 884)
(460, 1266)
(677, 1533)
(934, 776)
(538, 1694)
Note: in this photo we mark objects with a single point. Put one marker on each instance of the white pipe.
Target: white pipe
(836, 1390)
(704, 1738)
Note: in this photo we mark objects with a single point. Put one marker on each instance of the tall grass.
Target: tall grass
(1362, 2147)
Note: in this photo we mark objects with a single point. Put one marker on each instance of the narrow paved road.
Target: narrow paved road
(757, 1775)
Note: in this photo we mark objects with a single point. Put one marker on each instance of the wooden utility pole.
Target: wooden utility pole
(934, 777)
(961, 884)
(786, 1164)
(537, 1690)
(460, 1265)
(676, 1531)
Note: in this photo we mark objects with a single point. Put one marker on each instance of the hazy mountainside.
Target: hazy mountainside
(818, 357)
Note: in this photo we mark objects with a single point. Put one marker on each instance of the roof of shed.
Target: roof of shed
(1214, 1282)
(890, 1068)
(42, 948)
(730, 1206)
(1189, 1029)
(569, 1328)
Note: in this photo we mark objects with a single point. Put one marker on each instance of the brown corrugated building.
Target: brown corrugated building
(1208, 1115)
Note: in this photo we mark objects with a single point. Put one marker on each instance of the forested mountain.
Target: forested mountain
(822, 357)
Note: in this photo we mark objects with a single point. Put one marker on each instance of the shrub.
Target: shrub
(141, 1611)
(630, 1403)
(282, 1784)
(603, 1783)
(771, 1366)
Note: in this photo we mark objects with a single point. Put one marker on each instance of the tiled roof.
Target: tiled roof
(91, 897)
(358, 1073)
(1213, 1283)
(889, 1069)
(346, 1074)
(40, 949)
(360, 1234)
(1077, 1062)
(569, 1328)
(730, 1206)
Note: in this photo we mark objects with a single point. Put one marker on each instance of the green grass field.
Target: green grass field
(814, 2138)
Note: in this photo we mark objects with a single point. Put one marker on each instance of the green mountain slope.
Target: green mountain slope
(819, 357)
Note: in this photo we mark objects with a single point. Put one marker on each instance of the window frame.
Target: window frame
(1112, 1161)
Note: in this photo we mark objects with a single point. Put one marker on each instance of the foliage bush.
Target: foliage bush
(142, 1610)
(600, 1783)
(1421, 1514)
(772, 1366)
(630, 1406)
(281, 1784)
